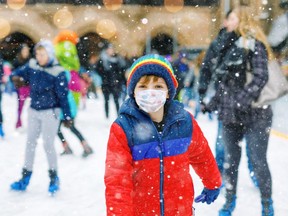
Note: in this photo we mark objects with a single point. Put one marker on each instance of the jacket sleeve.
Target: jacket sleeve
(202, 159)
(206, 72)
(62, 94)
(118, 174)
(259, 66)
(209, 63)
(22, 72)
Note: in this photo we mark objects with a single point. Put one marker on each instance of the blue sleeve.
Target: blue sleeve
(23, 72)
(62, 94)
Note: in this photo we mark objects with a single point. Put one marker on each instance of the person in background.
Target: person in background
(92, 72)
(212, 60)
(49, 90)
(206, 76)
(246, 50)
(152, 145)
(67, 55)
(1, 115)
(23, 92)
(278, 34)
(181, 68)
(278, 37)
(111, 67)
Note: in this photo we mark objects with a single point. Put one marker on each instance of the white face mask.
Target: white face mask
(150, 100)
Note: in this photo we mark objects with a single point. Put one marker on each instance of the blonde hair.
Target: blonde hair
(249, 26)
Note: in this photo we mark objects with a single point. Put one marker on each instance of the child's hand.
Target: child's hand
(68, 123)
(18, 81)
(207, 196)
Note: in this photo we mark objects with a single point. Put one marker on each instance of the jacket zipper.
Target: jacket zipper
(161, 174)
(160, 134)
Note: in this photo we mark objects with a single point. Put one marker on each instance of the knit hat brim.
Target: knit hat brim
(152, 65)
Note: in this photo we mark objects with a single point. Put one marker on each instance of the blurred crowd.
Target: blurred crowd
(210, 81)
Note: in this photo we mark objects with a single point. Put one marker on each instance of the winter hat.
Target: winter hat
(49, 49)
(152, 64)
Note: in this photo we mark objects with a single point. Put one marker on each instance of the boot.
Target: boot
(229, 206)
(67, 149)
(87, 149)
(18, 124)
(54, 182)
(23, 182)
(1, 131)
(267, 207)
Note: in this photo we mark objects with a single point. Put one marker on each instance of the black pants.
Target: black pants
(73, 130)
(116, 92)
(256, 134)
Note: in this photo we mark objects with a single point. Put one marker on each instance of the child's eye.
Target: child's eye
(158, 86)
(142, 86)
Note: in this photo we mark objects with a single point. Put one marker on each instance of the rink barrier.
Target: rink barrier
(279, 134)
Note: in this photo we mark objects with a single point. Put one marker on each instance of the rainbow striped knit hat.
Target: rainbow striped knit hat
(152, 64)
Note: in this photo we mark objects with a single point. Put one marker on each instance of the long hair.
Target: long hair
(20, 58)
(249, 26)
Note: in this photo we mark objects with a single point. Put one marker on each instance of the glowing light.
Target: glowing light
(5, 28)
(16, 4)
(112, 4)
(63, 18)
(173, 5)
(106, 28)
(144, 21)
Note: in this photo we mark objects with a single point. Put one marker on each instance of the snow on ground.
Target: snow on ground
(82, 185)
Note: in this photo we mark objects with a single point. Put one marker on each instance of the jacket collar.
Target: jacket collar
(174, 110)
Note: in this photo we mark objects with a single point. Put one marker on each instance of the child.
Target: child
(151, 145)
(49, 89)
(67, 55)
(73, 109)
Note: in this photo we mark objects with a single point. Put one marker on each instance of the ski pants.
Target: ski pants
(45, 122)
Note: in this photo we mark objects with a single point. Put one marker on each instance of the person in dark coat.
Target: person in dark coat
(249, 51)
(111, 68)
(213, 57)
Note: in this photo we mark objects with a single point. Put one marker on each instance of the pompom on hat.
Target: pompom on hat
(152, 64)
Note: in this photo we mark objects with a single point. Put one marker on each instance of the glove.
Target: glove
(204, 108)
(68, 123)
(208, 196)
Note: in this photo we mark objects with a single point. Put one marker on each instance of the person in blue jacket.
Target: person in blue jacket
(49, 90)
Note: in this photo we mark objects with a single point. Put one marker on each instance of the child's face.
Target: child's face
(152, 83)
(42, 56)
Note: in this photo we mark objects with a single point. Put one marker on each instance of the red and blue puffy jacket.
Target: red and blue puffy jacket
(147, 172)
